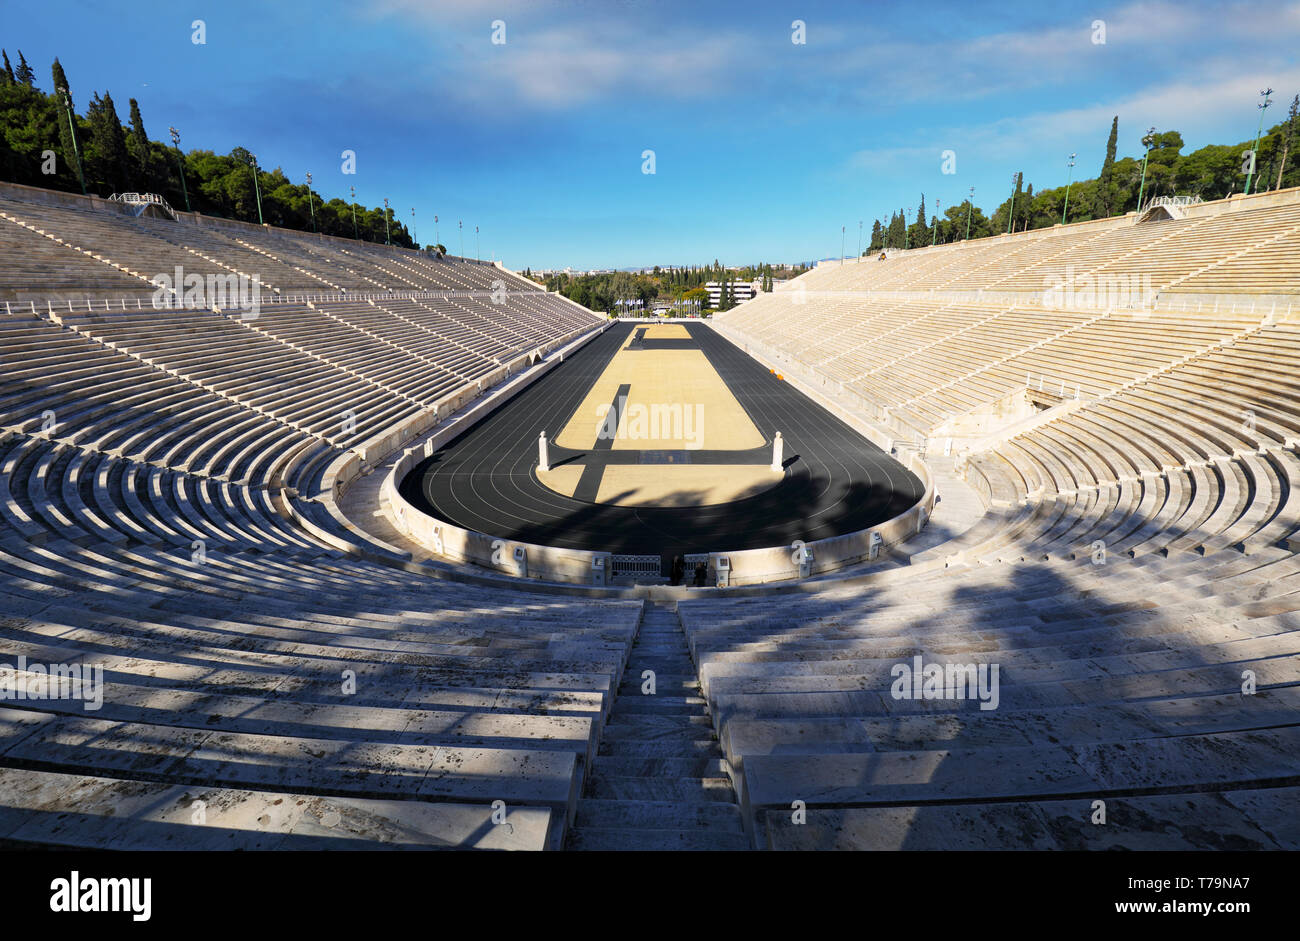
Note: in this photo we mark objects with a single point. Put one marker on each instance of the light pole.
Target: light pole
(460, 227)
(257, 189)
(180, 164)
(1254, 153)
(934, 238)
(1069, 178)
(1011, 213)
(1147, 141)
(437, 239)
(970, 205)
(388, 240)
(72, 130)
(476, 243)
(310, 203)
(354, 215)
(415, 232)
(859, 238)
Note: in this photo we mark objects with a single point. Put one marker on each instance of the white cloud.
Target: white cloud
(1223, 95)
(597, 51)
(1161, 38)
(574, 65)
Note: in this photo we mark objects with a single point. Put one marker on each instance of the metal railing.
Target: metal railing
(1044, 385)
(1178, 202)
(634, 565)
(144, 199)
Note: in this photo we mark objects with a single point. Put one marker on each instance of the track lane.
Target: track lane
(836, 481)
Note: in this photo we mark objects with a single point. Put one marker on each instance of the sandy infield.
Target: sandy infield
(676, 401)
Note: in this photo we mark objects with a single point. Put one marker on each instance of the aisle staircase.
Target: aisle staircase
(659, 781)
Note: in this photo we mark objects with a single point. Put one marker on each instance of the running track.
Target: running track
(836, 481)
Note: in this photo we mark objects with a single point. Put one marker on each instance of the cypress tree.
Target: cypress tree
(141, 141)
(107, 151)
(8, 75)
(24, 72)
(1287, 136)
(1105, 187)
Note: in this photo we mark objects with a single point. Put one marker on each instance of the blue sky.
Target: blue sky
(763, 147)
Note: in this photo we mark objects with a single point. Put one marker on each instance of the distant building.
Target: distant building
(740, 291)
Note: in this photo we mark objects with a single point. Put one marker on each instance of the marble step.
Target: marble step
(674, 684)
(638, 788)
(375, 770)
(597, 813)
(687, 767)
(643, 727)
(626, 840)
(661, 748)
(51, 809)
(661, 705)
(1251, 819)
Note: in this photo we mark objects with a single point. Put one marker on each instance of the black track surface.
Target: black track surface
(835, 482)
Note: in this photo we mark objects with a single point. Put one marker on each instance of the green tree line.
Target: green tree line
(1213, 172)
(662, 285)
(44, 141)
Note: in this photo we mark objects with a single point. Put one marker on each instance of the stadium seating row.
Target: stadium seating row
(269, 684)
(1131, 582)
(1252, 251)
(159, 482)
(67, 252)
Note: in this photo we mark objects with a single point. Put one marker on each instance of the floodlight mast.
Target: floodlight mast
(1147, 141)
(1068, 180)
(311, 203)
(257, 188)
(72, 128)
(1011, 213)
(180, 165)
(1254, 151)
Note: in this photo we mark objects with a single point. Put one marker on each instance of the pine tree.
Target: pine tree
(23, 73)
(8, 75)
(1105, 184)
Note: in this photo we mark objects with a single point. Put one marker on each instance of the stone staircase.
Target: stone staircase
(659, 781)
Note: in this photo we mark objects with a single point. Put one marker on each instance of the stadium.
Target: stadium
(317, 542)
